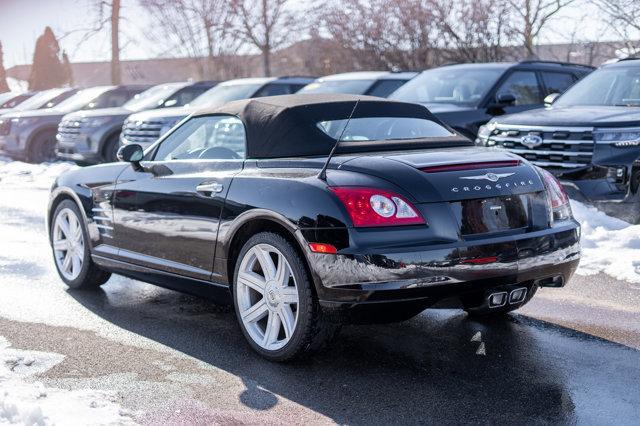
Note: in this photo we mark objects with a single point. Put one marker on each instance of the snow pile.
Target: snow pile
(27, 402)
(32, 175)
(609, 245)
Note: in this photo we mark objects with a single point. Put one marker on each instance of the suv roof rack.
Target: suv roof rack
(629, 58)
(559, 63)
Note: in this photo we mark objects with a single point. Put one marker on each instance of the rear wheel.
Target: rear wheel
(71, 249)
(274, 301)
(42, 148)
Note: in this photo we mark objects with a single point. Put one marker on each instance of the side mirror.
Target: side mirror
(131, 154)
(550, 99)
(505, 99)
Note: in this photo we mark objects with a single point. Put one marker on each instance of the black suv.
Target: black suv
(93, 136)
(31, 135)
(466, 96)
(589, 137)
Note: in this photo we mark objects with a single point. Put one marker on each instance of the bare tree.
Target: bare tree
(473, 32)
(624, 19)
(267, 25)
(4, 87)
(531, 17)
(198, 29)
(384, 34)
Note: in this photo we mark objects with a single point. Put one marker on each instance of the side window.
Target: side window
(557, 82)
(273, 90)
(218, 137)
(114, 98)
(184, 96)
(524, 86)
(384, 88)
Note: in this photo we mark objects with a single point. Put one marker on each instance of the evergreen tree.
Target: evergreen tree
(47, 70)
(68, 72)
(4, 87)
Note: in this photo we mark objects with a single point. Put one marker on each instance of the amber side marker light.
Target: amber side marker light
(323, 248)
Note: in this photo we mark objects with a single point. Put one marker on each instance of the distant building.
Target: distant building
(314, 57)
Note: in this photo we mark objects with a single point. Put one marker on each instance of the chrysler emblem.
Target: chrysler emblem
(531, 140)
(491, 177)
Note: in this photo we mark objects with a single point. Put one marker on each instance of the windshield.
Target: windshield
(383, 128)
(153, 97)
(40, 99)
(82, 98)
(449, 85)
(354, 87)
(222, 94)
(605, 87)
(15, 100)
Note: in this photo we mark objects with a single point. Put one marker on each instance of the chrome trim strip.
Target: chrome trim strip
(536, 151)
(102, 218)
(104, 226)
(554, 164)
(498, 138)
(543, 128)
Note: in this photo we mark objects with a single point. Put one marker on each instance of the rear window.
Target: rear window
(383, 128)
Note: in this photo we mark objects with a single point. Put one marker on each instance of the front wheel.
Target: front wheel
(71, 249)
(274, 302)
(42, 148)
(110, 150)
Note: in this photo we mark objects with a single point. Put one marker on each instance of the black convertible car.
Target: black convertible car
(307, 211)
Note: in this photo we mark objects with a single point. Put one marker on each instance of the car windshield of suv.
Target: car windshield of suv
(16, 100)
(354, 87)
(222, 94)
(605, 87)
(449, 85)
(383, 128)
(153, 97)
(82, 98)
(39, 99)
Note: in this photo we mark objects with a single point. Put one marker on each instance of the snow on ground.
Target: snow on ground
(609, 245)
(24, 400)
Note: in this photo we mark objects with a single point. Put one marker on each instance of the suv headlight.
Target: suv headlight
(620, 137)
(484, 132)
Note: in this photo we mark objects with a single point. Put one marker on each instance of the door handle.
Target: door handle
(209, 188)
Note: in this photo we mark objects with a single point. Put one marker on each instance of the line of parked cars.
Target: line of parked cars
(589, 136)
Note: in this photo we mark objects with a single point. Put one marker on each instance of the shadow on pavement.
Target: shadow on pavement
(422, 370)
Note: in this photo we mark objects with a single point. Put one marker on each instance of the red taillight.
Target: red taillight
(558, 198)
(470, 166)
(375, 207)
(323, 248)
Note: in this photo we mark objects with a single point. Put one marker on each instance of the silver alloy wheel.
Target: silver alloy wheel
(267, 296)
(68, 244)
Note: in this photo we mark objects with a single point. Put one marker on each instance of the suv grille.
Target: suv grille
(5, 127)
(567, 147)
(142, 131)
(69, 129)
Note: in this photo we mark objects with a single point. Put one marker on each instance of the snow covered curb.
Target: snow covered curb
(28, 402)
(609, 245)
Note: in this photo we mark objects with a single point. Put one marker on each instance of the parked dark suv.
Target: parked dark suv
(30, 135)
(93, 136)
(466, 96)
(372, 83)
(589, 138)
(144, 128)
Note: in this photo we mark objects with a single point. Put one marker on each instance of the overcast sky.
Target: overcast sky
(22, 21)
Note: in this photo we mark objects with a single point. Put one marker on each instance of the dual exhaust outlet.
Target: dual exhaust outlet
(501, 298)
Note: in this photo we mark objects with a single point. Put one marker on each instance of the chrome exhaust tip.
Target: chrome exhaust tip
(518, 295)
(498, 299)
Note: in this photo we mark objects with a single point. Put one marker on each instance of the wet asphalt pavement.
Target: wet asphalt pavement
(571, 356)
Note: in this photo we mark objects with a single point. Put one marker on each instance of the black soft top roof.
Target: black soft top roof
(286, 126)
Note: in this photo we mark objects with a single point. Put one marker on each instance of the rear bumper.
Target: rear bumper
(420, 278)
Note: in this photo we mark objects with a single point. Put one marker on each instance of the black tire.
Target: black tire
(90, 276)
(313, 331)
(110, 149)
(42, 148)
(474, 309)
